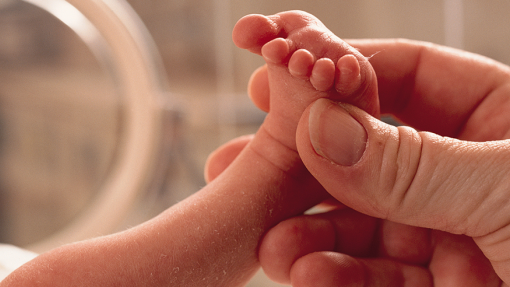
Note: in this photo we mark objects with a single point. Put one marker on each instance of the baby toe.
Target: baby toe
(276, 51)
(323, 74)
(348, 77)
(301, 63)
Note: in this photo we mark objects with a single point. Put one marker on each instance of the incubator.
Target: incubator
(80, 122)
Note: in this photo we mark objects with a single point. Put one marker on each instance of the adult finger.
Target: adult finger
(335, 269)
(258, 88)
(223, 156)
(343, 230)
(443, 90)
(457, 261)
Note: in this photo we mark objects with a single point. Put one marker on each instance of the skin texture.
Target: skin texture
(213, 237)
(439, 216)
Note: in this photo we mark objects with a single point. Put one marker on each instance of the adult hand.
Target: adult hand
(423, 206)
(423, 179)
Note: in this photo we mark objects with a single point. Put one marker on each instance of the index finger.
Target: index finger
(439, 89)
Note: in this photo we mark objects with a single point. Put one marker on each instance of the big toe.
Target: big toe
(252, 31)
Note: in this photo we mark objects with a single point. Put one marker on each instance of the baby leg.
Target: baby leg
(211, 238)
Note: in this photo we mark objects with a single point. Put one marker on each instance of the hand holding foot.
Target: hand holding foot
(412, 179)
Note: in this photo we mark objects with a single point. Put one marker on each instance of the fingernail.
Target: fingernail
(335, 134)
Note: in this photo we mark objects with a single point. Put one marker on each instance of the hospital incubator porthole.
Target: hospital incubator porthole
(79, 118)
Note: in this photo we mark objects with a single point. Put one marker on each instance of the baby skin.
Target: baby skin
(212, 238)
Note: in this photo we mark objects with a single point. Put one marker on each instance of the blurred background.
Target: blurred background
(61, 112)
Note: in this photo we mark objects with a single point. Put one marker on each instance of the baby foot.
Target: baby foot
(305, 61)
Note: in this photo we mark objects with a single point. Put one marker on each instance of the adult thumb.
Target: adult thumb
(406, 176)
